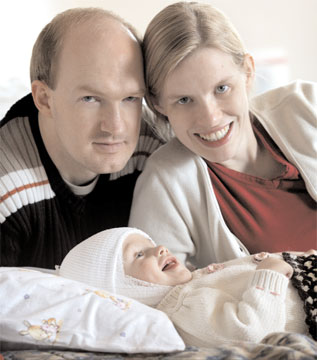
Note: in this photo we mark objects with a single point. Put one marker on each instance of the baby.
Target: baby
(240, 300)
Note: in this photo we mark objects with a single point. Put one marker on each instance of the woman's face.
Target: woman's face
(206, 101)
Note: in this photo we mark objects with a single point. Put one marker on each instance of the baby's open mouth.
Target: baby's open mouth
(169, 264)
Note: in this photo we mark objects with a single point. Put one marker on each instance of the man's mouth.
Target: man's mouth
(216, 135)
(108, 147)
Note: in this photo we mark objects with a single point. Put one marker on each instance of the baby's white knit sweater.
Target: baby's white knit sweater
(236, 303)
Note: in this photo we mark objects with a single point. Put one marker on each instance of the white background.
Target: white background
(280, 32)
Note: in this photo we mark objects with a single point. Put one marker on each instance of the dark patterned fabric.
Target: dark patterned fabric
(286, 346)
(304, 280)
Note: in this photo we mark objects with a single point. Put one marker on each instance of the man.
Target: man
(70, 153)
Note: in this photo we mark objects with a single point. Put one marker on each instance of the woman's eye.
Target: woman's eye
(131, 98)
(89, 99)
(139, 254)
(184, 100)
(222, 89)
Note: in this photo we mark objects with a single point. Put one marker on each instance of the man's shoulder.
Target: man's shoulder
(19, 158)
(149, 139)
(24, 107)
(23, 180)
(17, 145)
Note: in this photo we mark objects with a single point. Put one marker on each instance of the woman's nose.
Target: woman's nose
(210, 112)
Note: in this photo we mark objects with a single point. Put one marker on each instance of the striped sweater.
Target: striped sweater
(41, 219)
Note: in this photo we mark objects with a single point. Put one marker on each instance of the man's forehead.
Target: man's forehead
(98, 28)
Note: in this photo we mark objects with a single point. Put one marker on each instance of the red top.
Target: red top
(267, 215)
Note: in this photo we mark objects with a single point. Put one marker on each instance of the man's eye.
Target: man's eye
(89, 99)
(221, 89)
(139, 254)
(184, 100)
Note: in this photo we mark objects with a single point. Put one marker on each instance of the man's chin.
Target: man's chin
(114, 167)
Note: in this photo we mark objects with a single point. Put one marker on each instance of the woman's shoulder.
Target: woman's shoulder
(173, 153)
(298, 89)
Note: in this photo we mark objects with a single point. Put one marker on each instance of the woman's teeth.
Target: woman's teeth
(214, 136)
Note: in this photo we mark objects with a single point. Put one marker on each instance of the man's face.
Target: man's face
(96, 104)
(142, 260)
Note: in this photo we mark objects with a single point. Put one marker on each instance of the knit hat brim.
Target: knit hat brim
(98, 262)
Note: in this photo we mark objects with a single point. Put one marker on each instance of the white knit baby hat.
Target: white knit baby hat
(97, 261)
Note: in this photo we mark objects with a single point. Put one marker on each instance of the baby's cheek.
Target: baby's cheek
(149, 273)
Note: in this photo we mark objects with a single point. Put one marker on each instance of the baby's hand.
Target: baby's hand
(276, 264)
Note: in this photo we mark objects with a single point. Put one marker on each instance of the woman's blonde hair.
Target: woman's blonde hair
(47, 48)
(176, 32)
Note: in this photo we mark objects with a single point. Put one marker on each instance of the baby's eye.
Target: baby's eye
(221, 89)
(184, 100)
(139, 254)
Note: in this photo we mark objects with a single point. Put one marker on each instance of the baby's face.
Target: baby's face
(142, 260)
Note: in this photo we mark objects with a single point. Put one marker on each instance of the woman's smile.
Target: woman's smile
(216, 138)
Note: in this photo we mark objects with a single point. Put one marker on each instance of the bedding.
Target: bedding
(284, 346)
(44, 316)
(43, 310)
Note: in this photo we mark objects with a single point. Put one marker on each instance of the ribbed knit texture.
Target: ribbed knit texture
(270, 281)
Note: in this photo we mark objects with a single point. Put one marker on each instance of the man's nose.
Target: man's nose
(112, 121)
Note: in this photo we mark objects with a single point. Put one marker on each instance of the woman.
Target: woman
(239, 177)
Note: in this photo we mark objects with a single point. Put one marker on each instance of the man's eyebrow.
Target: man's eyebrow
(91, 90)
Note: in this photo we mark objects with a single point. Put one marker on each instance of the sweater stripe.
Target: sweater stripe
(22, 188)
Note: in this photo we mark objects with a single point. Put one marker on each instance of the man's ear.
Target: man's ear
(249, 69)
(41, 96)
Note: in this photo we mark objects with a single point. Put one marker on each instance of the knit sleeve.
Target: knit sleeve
(209, 316)
(159, 209)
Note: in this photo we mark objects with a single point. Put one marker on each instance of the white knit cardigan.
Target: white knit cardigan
(237, 303)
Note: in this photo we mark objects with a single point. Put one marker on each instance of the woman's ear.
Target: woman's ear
(249, 69)
(41, 96)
